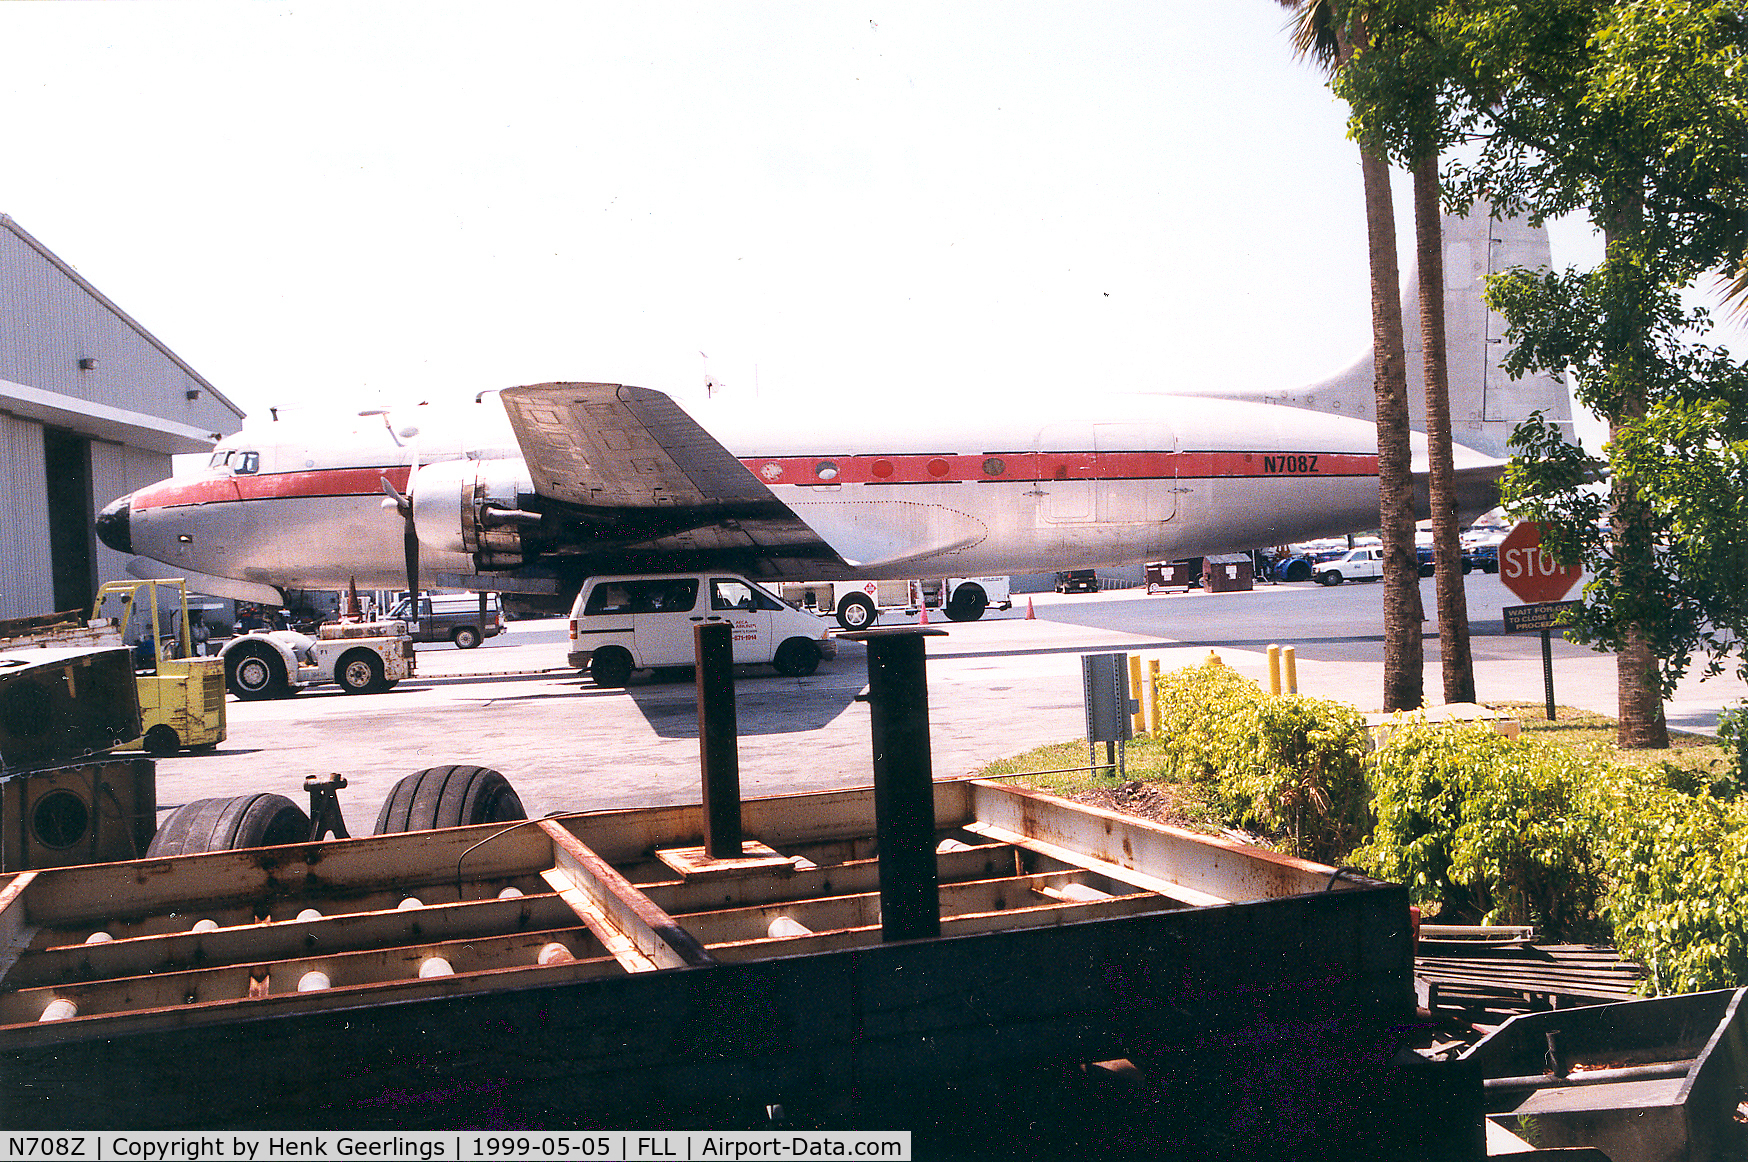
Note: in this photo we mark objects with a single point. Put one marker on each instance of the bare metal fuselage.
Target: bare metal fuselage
(1102, 482)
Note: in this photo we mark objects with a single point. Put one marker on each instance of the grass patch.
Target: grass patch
(1052, 768)
(1589, 732)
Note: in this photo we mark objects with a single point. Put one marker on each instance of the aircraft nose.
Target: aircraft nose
(114, 525)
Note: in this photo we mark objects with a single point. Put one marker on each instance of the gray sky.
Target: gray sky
(365, 201)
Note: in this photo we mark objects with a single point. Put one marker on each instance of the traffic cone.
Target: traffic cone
(1030, 616)
(923, 608)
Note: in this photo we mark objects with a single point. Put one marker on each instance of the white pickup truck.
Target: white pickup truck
(1354, 565)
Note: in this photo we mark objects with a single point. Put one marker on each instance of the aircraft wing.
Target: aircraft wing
(642, 481)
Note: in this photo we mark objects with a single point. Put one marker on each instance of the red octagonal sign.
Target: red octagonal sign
(1529, 571)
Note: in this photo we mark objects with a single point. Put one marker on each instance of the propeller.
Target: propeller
(404, 502)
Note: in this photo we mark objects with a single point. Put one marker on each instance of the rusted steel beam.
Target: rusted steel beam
(904, 804)
(718, 738)
(655, 933)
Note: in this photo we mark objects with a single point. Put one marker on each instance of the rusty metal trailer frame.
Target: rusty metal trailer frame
(1068, 935)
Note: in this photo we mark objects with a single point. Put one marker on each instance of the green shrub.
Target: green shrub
(1292, 766)
(1677, 867)
(1486, 828)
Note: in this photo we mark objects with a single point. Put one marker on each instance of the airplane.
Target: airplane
(529, 490)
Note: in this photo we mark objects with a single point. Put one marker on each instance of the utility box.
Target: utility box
(1168, 575)
(1228, 573)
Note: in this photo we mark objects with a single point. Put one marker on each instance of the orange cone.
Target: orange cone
(924, 610)
(1030, 616)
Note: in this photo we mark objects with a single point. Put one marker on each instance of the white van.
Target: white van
(620, 624)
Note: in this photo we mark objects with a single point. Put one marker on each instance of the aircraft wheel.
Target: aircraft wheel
(161, 740)
(796, 658)
(855, 611)
(259, 820)
(452, 796)
(465, 637)
(255, 672)
(610, 666)
(967, 604)
(360, 672)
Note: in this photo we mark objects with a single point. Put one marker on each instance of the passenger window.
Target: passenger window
(673, 596)
(609, 599)
(729, 595)
(246, 463)
(763, 600)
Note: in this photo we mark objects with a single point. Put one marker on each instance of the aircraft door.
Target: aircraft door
(1137, 468)
(1064, 476)
(750, 613)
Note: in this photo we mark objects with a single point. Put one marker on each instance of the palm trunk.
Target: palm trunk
(1404, 659)
(1456, 661)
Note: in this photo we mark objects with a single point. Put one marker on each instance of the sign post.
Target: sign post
(1529, 571)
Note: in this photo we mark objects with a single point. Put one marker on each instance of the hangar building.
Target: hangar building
(91, 406)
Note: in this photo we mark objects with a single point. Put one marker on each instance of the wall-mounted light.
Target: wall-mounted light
(87, 364)
(194, 393)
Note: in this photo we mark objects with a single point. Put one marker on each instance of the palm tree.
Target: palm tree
(1329, 40)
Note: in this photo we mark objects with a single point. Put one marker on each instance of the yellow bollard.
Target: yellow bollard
(1213, 659)
(1140, 724)
(1153, 691)
(1290, 657)
(1275, 670)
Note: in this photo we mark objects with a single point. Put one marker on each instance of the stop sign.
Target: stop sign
(1528, 570)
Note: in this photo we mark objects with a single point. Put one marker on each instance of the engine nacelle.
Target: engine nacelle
(474, 507)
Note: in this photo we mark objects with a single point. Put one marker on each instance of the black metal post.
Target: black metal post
(904, 784)
(718, 739)
(1548, 671)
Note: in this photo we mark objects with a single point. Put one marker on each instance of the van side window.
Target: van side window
(672, 596)
(609, 599)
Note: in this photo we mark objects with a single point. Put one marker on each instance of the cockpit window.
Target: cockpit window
(242, 463)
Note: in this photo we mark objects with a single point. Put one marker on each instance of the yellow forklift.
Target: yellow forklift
(182, 692)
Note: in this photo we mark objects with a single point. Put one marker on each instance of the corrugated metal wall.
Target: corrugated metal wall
(26, 583)
(50, 320)
(133, 371)
(116, 470)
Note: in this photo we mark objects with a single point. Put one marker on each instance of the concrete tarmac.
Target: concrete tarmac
(996, 687)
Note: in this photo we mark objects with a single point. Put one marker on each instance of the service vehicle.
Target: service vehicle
(363, 657)
(621, 624)
(451, 617)
(181, 693)
(858, 604)
(1355, 564)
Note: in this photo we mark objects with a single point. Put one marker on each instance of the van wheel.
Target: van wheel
(360, 672)
(796, 658)
(855, 611)
(161, 740)
(465, 637)
(254, 672)
(453, 796)
(260, 820)
(967, 603)
(610, 667)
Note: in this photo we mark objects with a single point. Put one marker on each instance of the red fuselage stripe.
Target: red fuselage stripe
(946, 468)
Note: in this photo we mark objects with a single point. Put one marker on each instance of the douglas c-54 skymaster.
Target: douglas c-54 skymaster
(531, 489)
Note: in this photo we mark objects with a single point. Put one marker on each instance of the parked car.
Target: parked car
(451, 617)
(620, 624)
(1425, 554)
(1077, 581)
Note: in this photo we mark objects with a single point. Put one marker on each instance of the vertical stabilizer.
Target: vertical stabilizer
(1486, 403)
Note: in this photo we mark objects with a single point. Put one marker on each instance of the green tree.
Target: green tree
(1635, 114)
